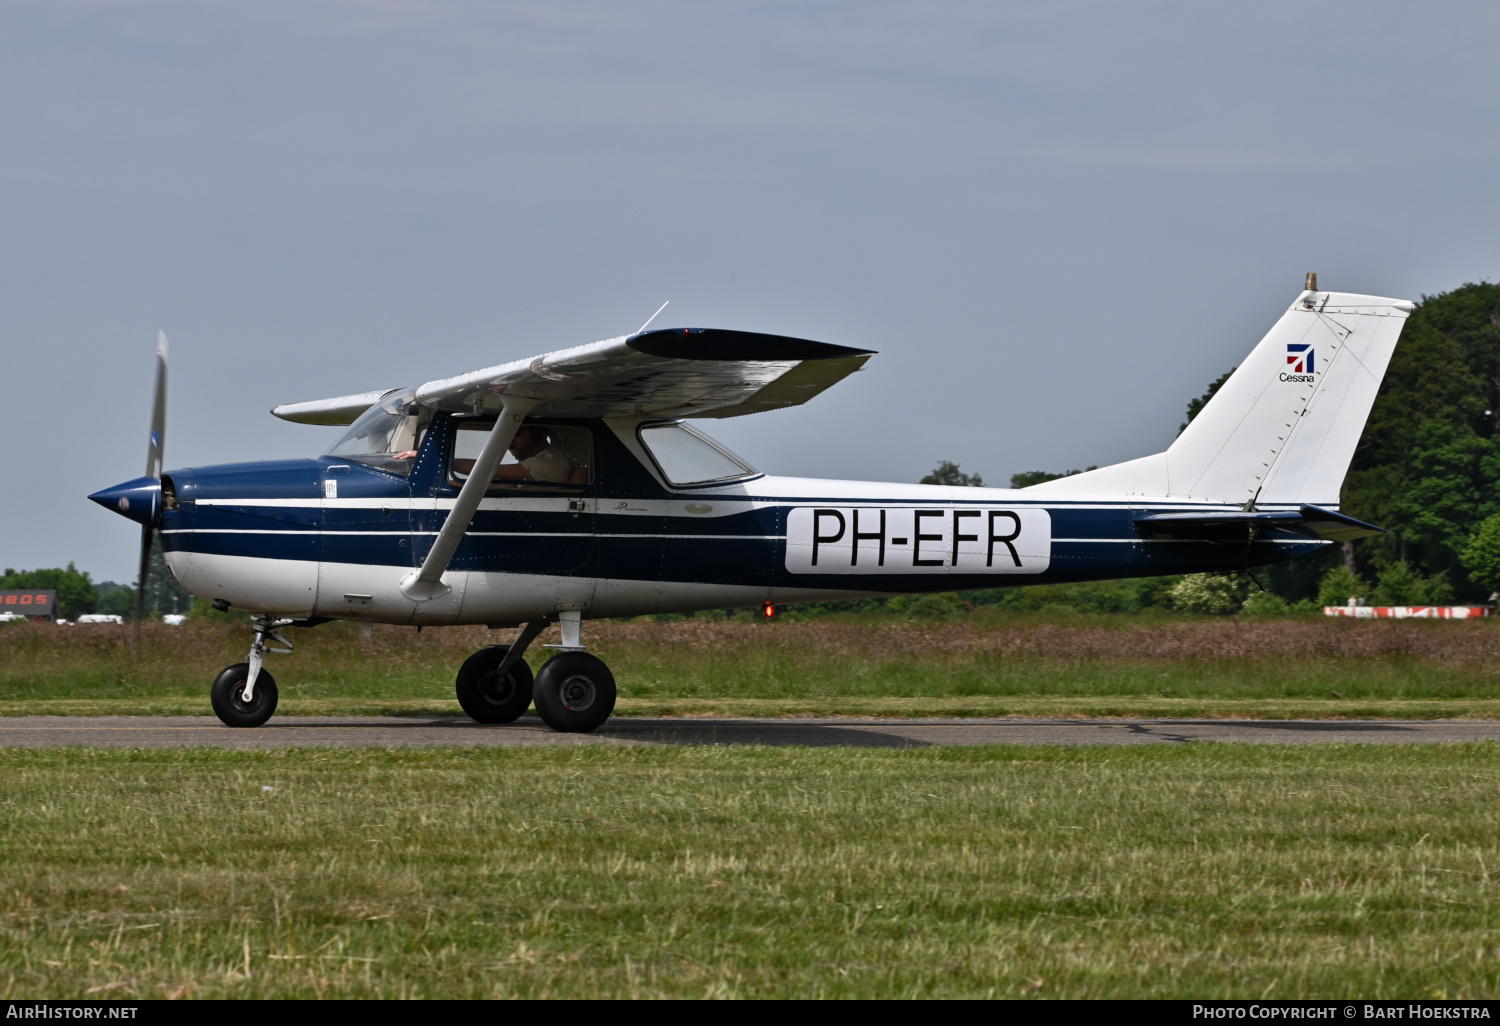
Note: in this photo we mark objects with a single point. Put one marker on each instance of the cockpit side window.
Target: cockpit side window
(387, 435)
(544, 457)
(688, 458)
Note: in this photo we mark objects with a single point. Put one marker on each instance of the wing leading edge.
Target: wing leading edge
(671, 372)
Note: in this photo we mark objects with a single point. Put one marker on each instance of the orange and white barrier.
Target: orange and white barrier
(1411, 612)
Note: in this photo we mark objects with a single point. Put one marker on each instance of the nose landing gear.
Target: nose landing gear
(244, 695)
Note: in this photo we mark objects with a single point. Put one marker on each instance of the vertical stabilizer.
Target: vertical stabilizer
(1283, 428)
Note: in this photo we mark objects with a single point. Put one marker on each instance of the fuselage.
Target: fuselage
(332, 537)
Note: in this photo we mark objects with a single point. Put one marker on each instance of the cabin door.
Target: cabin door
(537, 517)
(366, 543)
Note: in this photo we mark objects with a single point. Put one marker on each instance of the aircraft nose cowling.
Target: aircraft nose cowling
(138, 500)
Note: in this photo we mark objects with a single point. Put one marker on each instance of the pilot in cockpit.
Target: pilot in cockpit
(539, 457)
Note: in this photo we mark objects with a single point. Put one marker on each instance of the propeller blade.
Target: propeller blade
(140, 589)
(158, 410)
(154, 446)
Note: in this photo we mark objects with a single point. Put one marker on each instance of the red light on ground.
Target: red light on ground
(770, 611)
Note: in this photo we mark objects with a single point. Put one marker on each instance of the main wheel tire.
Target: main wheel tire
(229, 703)
(575, 693)
(487, 697)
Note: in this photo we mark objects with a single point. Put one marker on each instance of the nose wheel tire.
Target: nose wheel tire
(485, 695)
(575, 693)
(229, 702)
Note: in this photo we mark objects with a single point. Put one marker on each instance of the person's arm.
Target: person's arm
(550, 466)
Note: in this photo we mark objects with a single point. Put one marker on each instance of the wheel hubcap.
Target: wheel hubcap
(577, 693)
(497, 690)
(238, 697)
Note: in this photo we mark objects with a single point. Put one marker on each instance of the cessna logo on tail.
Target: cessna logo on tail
(920, 540)
(1299, 356)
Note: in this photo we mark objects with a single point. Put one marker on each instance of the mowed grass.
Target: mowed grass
(1161, 871)
(987, 664)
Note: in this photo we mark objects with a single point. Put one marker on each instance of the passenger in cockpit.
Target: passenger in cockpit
(538, 458)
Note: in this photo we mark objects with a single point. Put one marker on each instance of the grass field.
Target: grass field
(989, 664)
(1184, 871)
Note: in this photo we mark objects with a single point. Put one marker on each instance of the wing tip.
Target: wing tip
(733, 345)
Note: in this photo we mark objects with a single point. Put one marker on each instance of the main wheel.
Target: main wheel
(575, 693)
(228, 693)
(485, 695)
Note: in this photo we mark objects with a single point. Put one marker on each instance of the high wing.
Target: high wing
(671, 372)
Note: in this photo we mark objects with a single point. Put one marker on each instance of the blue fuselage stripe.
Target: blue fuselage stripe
(749, 547)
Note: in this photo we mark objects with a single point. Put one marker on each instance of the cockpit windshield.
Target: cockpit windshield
(387, 435)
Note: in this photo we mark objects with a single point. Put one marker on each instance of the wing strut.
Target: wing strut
(427, 583)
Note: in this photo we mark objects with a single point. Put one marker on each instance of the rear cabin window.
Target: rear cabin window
(552, 457)
(688, 457)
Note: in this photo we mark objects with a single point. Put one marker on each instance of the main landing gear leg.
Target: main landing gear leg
(575, 692)
(244, 695)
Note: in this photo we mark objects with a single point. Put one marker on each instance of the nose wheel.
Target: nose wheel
(230, 702)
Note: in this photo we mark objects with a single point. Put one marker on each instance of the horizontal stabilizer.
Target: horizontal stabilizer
(1309, 521)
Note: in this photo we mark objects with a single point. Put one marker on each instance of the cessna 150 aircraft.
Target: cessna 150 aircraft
(576, 485)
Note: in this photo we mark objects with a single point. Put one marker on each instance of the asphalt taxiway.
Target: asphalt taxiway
(402, 732)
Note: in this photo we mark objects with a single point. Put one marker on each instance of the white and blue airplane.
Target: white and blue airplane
(576, 485)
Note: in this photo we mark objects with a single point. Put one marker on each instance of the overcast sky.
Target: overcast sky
(1057, 222)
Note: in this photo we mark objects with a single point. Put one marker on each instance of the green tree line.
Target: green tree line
(1427, 468)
